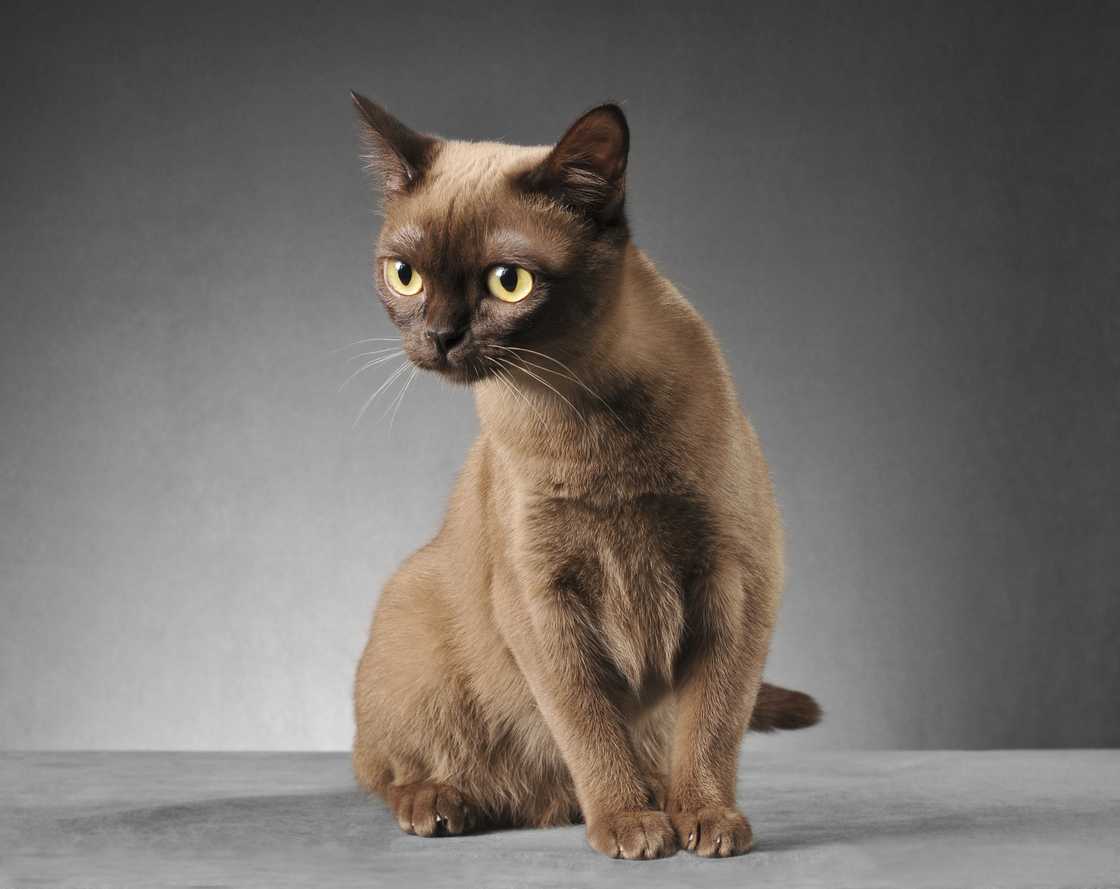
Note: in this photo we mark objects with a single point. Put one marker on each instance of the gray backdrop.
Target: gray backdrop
(902, 221)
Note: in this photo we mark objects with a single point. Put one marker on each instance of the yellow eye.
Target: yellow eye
(510, 283)
(402, 277)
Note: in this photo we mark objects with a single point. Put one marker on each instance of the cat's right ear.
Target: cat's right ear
(396, 154)
(586, 169)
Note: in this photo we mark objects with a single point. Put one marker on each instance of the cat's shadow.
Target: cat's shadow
(350, 818)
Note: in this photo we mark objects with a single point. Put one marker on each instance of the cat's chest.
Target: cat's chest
(627, 564)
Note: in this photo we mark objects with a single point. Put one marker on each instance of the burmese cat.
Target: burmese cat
(585, 636)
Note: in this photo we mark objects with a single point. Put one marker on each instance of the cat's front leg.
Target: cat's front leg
(559, 653)
(715, 691)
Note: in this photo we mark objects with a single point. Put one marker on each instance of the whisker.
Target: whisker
(370, 364)
(547, 385)
(367, 354)
(372, 339)
(512, 386)
(525, 362)
(572, 375)
(564, 376)
(400, 398)
(396, 373)
(389, 407)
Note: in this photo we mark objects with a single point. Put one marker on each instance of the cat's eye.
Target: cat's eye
(402, 277)
(509, 283)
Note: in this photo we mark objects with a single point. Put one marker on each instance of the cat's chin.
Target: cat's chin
(463, 376)
(462, 373)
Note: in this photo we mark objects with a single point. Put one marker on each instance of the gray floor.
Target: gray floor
(1004, 819)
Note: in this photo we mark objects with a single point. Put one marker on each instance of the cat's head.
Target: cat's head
(487, 247)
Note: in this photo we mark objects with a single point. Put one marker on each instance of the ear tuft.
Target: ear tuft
(587, 167)
(396, 153)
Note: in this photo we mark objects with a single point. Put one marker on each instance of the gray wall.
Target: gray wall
(902, 222)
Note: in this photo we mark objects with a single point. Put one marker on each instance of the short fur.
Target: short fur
(585, 636)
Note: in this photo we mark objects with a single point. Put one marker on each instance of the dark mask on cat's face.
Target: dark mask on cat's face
(489, 247)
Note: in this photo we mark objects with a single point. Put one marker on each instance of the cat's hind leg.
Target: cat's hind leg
(418, 742)
(444, 758)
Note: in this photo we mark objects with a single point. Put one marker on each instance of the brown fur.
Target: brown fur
(585, 636)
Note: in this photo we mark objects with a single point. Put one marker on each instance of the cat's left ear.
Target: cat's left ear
(587, 168)
(396, 153)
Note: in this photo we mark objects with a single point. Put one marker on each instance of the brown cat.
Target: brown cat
(585, 636)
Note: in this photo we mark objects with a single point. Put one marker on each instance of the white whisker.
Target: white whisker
(400, 398)
(571, 375)
(396, 373)
(372, 339)
(547, 385)
(370, 364)
(374, 352)
(512, 386)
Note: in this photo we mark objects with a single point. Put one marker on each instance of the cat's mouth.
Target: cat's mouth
(464, 367)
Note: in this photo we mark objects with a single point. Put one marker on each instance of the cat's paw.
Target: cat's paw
(641, 833)
(713, 832)
(428, 809)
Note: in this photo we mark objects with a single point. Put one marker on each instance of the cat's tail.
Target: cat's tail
(783, 708)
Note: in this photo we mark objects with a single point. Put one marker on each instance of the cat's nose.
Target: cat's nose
(447, 338)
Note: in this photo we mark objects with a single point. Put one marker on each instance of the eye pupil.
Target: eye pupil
(509, 283)
(404, 272)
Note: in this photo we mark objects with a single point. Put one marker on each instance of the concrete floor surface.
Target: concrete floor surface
(883, 819)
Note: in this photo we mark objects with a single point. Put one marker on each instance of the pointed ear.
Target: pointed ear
(397, 154)
(587, 168)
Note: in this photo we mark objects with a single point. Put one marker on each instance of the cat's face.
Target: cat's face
(489, 248)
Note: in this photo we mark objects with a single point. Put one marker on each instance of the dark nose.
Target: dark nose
(447, 338)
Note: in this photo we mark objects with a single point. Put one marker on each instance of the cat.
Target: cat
(584, 637)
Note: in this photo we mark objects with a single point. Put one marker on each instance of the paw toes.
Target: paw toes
(634, 835)
(450, 814)
(424, 811)
(716, 833)
(402, 808)
(688, 830)
(429, 810)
